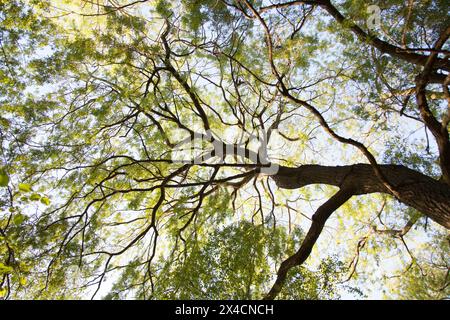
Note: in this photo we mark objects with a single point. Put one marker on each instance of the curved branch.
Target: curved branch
(383, 46)
(427, 195)
(318, 222)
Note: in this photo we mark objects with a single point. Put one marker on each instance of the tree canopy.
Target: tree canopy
(224, 149)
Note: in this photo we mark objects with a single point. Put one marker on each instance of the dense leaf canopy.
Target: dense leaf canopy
(224, 149)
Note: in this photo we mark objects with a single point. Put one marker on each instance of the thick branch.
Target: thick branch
(383, 46)
(439, 130)
(429, 196)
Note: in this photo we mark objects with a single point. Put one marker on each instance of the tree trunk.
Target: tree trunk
(427, 195)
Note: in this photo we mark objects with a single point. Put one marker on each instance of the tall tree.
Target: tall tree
(224, 149)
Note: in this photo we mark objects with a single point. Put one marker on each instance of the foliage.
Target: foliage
(94, 99)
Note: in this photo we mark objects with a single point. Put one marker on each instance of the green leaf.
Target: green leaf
(23, 281)
(24, 187)
(5, 269)
(18, 219)
(4, 179)
(45, 201)
(35, 197)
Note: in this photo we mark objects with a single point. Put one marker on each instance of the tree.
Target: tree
(224, 149)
